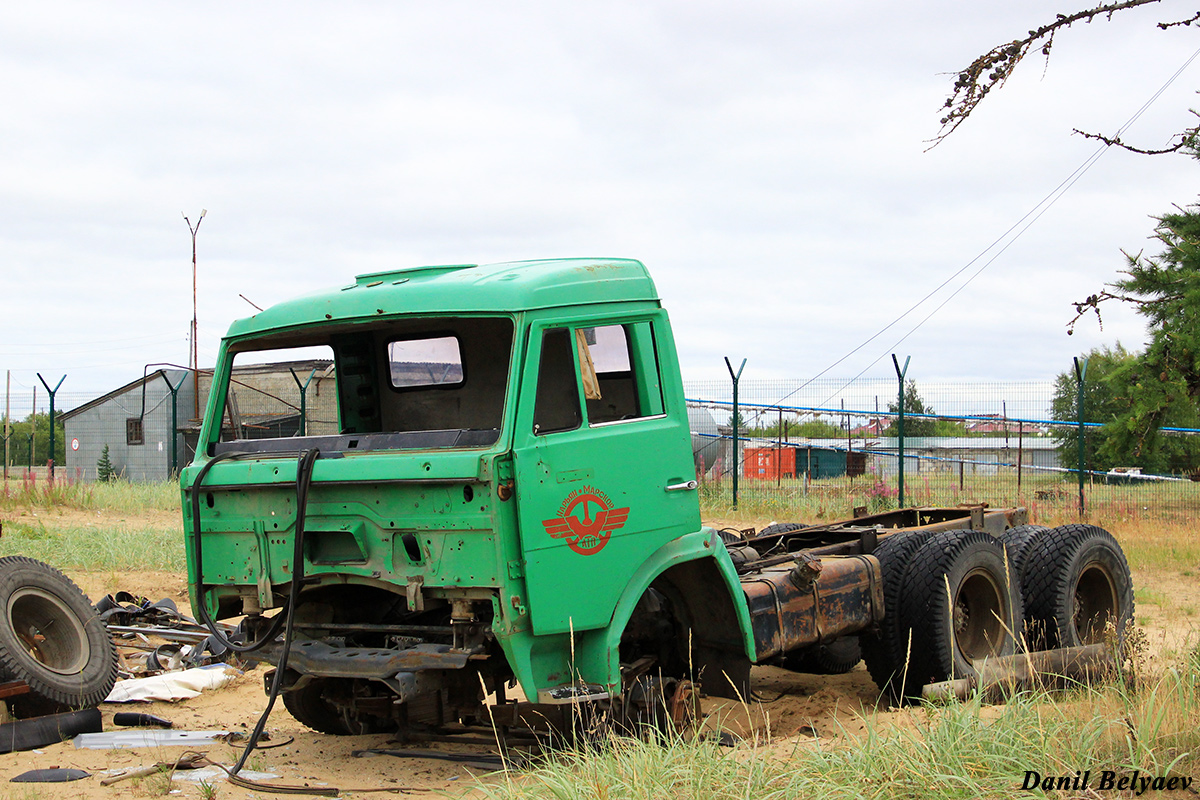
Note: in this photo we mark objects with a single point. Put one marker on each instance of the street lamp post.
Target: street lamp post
(194, 355)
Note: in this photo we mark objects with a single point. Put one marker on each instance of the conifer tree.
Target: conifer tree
(104, 467)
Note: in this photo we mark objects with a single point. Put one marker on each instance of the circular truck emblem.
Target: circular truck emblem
(586, 520)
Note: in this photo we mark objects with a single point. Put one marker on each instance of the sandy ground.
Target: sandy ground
(787, 708)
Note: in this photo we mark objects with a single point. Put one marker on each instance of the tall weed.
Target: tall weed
(962, 750)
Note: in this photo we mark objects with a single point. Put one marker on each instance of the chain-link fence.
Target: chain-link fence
(832, 448)
(28, 436)
(822, 448)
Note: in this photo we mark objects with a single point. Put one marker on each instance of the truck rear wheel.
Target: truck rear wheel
(832, 658)
(52, 639)
(1017, 542)
(332, 705)
(962, 603)
(883, 649)
(1077, 588)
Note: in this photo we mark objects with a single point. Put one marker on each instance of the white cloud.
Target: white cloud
(768, 160)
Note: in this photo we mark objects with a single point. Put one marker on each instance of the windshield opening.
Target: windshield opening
(434, 382)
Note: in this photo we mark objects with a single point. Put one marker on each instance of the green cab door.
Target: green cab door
(603, 463)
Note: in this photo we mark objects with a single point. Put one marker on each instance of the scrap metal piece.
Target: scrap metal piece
(128, 740)
(28, 734)
(1002, 675)
(133, 719)
(51, 775)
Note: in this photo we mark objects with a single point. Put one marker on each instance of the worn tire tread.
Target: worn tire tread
(883, 651)
(1017, 541)
(924, 612)
(1045, 575)
(52, 693)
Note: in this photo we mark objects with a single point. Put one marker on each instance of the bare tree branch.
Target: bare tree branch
(1187, 141)
(992, 69)
(1184, 22)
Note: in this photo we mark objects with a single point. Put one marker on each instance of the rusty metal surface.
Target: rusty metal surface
(1000, 676)
(815, 600)
(318, 658)
(860, 535)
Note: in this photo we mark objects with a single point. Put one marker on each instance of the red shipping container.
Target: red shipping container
(769, 463)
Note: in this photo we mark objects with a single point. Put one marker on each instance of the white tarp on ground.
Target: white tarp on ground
(172, 686)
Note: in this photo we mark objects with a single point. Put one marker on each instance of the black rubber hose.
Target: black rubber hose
(304, 469)
(298, 552)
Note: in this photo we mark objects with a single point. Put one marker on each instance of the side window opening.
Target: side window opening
(623, 381)
(556, 406)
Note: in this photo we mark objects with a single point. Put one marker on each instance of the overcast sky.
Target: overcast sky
(767, 160)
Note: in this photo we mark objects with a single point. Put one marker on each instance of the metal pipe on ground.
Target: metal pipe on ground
(1000, 676)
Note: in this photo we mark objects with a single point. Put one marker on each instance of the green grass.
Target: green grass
(126, 525)
(119, 497)
(962, 750)
(115, 547)
(1051, 499)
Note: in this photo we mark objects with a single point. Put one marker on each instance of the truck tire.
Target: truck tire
(883, 650)
(52, 639)
(832, 658)
(1017, 541)
(781, 527)
(308, 705)
(1077, 588)
(961, 604)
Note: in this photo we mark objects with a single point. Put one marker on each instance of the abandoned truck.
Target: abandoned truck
(507, 497)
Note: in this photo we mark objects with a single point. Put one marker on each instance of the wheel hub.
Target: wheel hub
(1093, 604)
(49, 630)
(979, 616)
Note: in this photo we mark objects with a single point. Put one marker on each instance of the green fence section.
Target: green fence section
(828, 448)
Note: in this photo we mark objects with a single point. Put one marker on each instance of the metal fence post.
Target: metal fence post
(1081, 375)
(303, 398)
(737, 442)
(7, 418)
(174, 417)
(50, 459)
(900, 426)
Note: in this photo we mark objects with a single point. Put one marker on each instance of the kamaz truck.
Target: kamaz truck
(502, 494)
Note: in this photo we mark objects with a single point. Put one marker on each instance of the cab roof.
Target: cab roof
(463, 288)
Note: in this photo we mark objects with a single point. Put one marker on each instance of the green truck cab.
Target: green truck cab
(506, 496)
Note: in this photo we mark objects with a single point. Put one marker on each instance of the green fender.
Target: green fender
(596, 651)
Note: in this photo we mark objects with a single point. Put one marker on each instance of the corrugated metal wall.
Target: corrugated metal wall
(106, 424)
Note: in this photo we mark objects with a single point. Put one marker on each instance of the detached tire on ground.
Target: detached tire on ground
(1077, 588)
(961, 603)
(52, 639)
(781, 527)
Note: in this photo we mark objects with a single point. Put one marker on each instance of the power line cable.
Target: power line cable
(1020, 226)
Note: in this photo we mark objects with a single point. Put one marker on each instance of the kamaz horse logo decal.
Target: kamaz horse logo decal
(586, 519)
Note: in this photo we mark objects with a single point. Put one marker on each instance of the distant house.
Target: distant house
(135, 422)
(871, 429)
(149, 437)
(994, 424)
(974, 455)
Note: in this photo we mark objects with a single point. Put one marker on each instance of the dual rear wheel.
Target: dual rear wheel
(956, 597)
